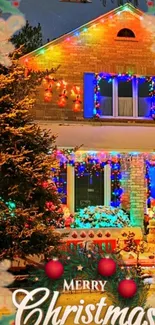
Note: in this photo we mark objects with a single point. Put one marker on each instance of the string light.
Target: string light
(126, 77)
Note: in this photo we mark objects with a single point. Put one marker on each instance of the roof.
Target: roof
(97, 137)
(125, 7)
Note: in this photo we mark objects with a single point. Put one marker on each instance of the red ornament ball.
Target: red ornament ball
(106, 267)
(127, 288)
(15, 3)
(54, 269)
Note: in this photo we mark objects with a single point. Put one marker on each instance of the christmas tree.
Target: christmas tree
(30, 206)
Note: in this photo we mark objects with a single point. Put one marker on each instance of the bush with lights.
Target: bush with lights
(101, 217)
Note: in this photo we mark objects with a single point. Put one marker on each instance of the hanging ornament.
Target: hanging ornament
(63, 96)
(127, 288)
(76, 93)
(106, 267)
(54, 269)
(48, 96)
(45, 184)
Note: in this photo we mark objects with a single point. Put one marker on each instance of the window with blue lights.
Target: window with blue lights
(144, 100)
(60, 179)
(125, 99)
(106, 104)
(89, 186)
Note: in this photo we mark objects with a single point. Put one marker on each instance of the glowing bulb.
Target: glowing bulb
(85, 30)
(26, 60)
(42, 51)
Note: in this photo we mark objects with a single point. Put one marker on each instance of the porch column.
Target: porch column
(135, 96)
(107, 185)
(137, 191)
(115, 97)
(71, 188)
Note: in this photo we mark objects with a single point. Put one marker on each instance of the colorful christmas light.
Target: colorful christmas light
(116, 183)
(126, 77)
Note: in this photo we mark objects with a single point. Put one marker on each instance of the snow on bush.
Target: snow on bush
(101, 217)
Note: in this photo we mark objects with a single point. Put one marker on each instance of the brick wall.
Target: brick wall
(96, 50)
(134, 186)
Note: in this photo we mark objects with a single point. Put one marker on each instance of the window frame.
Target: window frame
(115, 100)
(71, 187)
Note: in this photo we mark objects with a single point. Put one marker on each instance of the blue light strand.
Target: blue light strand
(60, 181)
(148, 179)
(126, 77)
(116, 190)
(92, 166)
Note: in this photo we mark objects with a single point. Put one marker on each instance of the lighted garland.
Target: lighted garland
(148, 180)
(92, 166)
(152, 95)
(127, 77)
(60, 181)
(116, 189)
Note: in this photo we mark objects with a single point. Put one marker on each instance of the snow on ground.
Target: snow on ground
(103, 137)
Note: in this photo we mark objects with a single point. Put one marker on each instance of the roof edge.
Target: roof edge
(88, 24)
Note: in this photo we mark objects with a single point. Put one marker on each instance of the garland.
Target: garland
(82, 264)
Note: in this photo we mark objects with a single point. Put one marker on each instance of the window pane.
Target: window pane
(125, 100)
(106, 98)
(89, 190)
(144, 100)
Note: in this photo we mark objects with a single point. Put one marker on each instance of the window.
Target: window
(89, 189)
(106, 105)
(125, 32)
(144, 100)
(125, 100)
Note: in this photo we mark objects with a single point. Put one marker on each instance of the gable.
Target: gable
(99, 43)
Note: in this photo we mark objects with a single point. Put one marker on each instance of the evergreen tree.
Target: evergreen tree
(29, 202)
(29, 36)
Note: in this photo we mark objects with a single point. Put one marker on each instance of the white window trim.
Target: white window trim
(71, 187)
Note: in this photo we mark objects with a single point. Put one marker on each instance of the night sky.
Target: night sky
(57, 18)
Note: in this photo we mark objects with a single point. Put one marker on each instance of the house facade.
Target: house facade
(101, 97)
